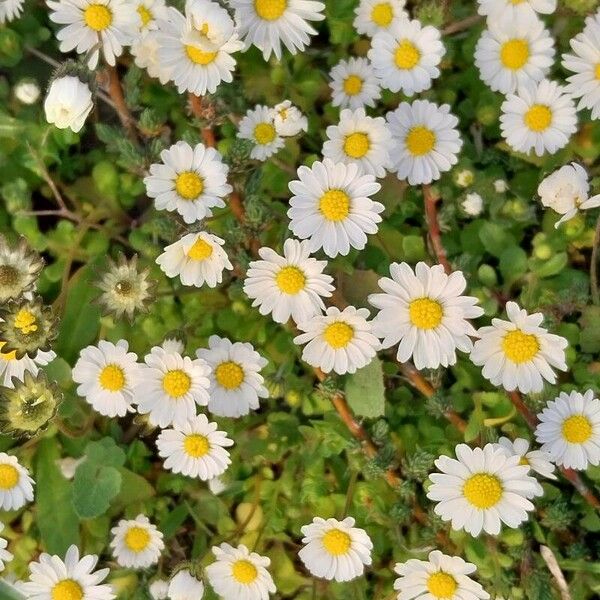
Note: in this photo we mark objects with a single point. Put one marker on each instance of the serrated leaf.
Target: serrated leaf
(365, 390)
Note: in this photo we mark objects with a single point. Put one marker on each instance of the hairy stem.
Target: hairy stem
(208, 135)
(435, 233)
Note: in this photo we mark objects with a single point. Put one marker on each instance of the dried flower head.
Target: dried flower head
(19, 268)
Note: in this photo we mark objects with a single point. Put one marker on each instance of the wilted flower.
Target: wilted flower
(19, 268)
(68, 103)
(289, 121)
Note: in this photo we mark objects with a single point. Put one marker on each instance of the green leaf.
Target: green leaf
(134, 488)
(105, 452)
(589, 338)
(8, 592)
(513, 263)
(548, 268)
(94, 486)
(495, 239)
(365, 390)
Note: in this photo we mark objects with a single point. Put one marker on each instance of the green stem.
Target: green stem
(594, 265)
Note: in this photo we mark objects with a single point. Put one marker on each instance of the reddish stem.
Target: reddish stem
(433, 225)
(208, 135)
(115, 91)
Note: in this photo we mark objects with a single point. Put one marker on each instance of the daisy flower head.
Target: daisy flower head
(144, 50)
(107, 375)
(514, 51)
(10, 10)
(170, 388)
(288, 119)
(482, 488)
(335, 550)
(425, 313)
(209, 24)
(184, 586)
(16, 486)
(569, 430)
(197, 259)
(291, 285)
(235, 380)
(373, 16)
(68, 103)
(360, 140)
(19, 268)
(440, 577)
(492, 9)
(339, 341)
(426, 141)
(11, 366)
(331, 207)
(353, 84)
(541, 117)
(239, 573)
(189, 180)
(68, 579)
(518, 354)
(136, 543)
(149, 12)
(406, 56)
(258, 126)
(267, 24)
(538, 460)
(94, 25)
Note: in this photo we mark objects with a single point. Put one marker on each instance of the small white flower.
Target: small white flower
(361, 140)
(291, 285)
(144, 50)
(68, 103)
(406, 56)
(473, 204)
(27, 91)
(493, 9)
(353, 84)
(500, 186)
(197, 258)
(258, 126)
(11, 366)
(235, 380)
(288, 119)
(541, 118)
(217, 486)
(184, 586)
(10, 10)
(441, 577)
(173, 345)
(149, 12)
(538, 460)
(16, 486)
(518, 353)
(569, 430)
(136, 543)
(482, 489)
(209, 25)
(465, 178)
(5, 555)
(426, 141)
(68, 466)
(373, 16)
(335, 550)
(159, 589)
(238, 573)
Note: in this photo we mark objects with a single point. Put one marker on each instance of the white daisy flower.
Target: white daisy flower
(569, 430)
(149, 12)
(425, 312)
(514, 51)
(339, 341)
(159, 589)
(493, 9)
(440, 577)
(189, 180)
(373, 16)
(16, 486)
(538, 460)
(10, 10)
(426, 141)
(288, 119)
(473, 204)
(144, 50)
(566, 191)
(197, 258)
(238, 573)
(269, 23)
(68, 103)
(258, 126)
(361, 140)
(481, 489)
(518, 353)
(353, 84)
(335, 549)
(170, 388)
(235, 380)
(11, 366)
(5, 555)
(585, 64)
(541, 118)
(184, 586)
(107, 375)
(406, 56)
(500, 186)
(195, 449)
(136, 543)
(331, 207)
(94, 25)
(72, 579)
(291, 285)
(209, 25)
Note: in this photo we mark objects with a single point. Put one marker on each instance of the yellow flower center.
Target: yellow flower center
(145, 15)
(597, 71)
(7, 355)
(244, 571)
(26, 321)
(229, 375)
(441, 585)
(524, 461)
(67, 589)
(97, 17)
(338, 335)
(337, 542)
(515, 2)
(9, 476)
(176, 383)
(356, 145)
(137, 539)
(189, 185)
(264, 133)
(201, 250)
(334, 205)
(420, 140)
(538, 117)
(112, 378)
(382, 14)
(198, 56)
(514, 54)
(270, 10)
(483, 490)
(577, 429)
(425, 313)
(290, 280)
(407, 55)
(353, 85)
(520, 347)
(196, 445)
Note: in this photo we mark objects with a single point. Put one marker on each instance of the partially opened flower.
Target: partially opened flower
(288, 119)
(13, 367)
(19, 268)
(540, 461)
